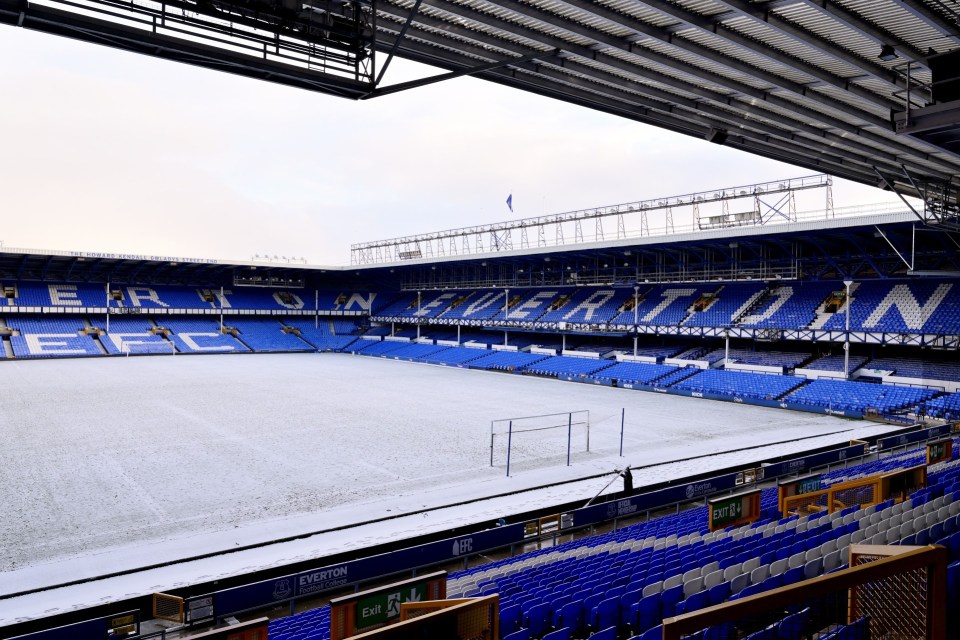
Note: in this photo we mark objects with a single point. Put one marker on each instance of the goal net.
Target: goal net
(548, 439)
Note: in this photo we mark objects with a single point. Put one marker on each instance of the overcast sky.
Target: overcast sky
(110, 151)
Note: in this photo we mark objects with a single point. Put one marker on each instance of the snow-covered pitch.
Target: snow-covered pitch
(109, 464)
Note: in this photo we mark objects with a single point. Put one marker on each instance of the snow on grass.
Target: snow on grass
(112, 464)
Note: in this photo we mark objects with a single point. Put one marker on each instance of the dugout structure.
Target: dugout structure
(542, 437)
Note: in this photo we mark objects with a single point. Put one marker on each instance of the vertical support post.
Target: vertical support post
(108, 307)
(492, 436)
(726, 353)
(569, 435)
(634, 346)
(418, 315)
(505, 343)
(221, 309)
(563, 346)
(623, 415)
(846, 334)
(316, 307)
(509, 443)
(458, 334)
(636, 303)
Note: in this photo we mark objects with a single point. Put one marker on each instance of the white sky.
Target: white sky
(110, 151)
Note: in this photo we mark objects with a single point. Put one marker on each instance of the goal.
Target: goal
(539, 440)
(141, 347)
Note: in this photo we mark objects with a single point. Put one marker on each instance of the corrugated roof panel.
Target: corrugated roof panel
(802, 50)
(696, 61)
(890, 15)
(636, 81)
(638, 59)
(845, 97)
(758, 61)
(638, 11)
(582, 17)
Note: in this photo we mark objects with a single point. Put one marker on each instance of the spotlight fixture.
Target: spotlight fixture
(887, 53)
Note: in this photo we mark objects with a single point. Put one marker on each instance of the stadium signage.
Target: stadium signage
(137, 256)
(912, 437)
(323, 579)
(736, 509)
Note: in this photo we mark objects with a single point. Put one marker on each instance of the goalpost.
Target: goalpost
(542, 437)
(140, 347)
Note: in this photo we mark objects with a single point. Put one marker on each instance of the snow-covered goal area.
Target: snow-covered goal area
(110, 464)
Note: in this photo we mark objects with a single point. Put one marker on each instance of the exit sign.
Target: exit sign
(381, 608)
(739, 508)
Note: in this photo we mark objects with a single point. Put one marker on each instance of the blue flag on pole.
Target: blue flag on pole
(510, 202)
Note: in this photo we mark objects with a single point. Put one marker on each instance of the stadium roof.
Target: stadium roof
(795, 80)
(821, 84)
(866, 246)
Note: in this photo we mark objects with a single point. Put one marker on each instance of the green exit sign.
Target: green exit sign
(381, 608)
(808, 485)
(726, 511)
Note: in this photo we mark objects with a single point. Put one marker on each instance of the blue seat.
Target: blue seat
(610, 633)
(656, 633)
(794, 626)
(698, 600)
(770, 633)
(537, 619)
(723, 631)
(648, 613)
(606, 613)
(559, 634)
(669, 600)
(510, 619)
(627, 601)
(570, 616)
(719, 593)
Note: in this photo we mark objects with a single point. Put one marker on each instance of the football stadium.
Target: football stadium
(723, 414)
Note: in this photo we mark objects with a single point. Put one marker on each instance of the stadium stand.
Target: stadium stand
(928, 306)
(134, 332)
(35, 294)
(376, 347)
(588, 306)
(475, 306)
(568, 366)
(836, 362)
(625, 583)
(507, 360)
(267, 335)
(455, 356)
(325, 334)
(51, 337)
(781, 359)
(668, 305)
(724, 307)
(918, 369)
(634, 372)
(528, 306)
(946, 407)
(840, 395)
(737, 384)
(790, 306)
(194, 335)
